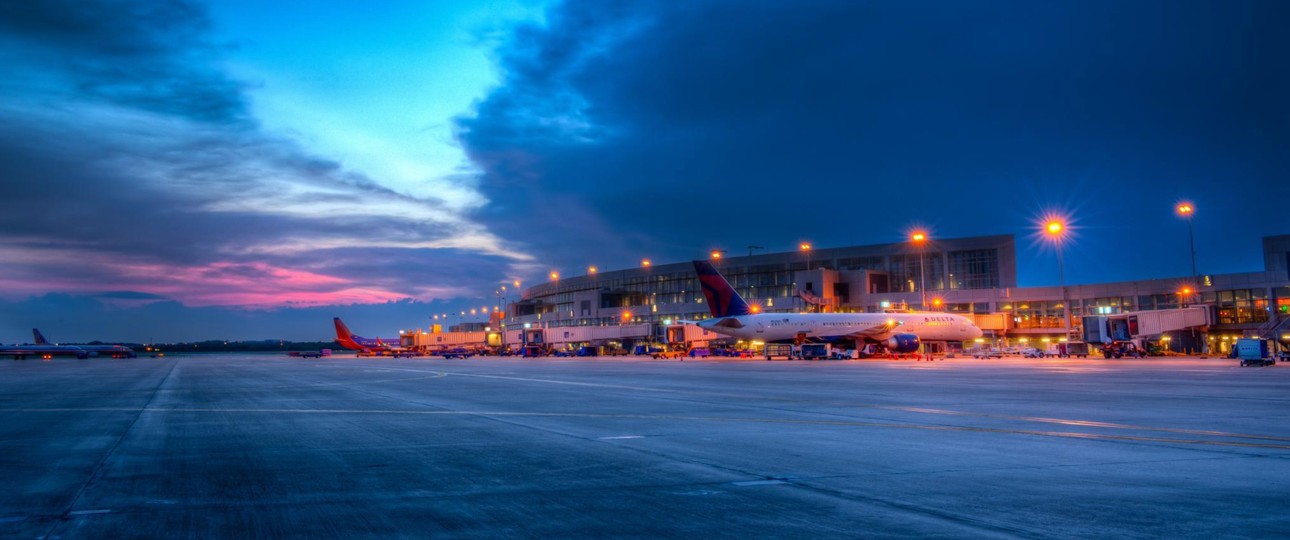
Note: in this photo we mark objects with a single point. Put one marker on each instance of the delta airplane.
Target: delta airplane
(898, 332)
(374, 346)
(115, 351)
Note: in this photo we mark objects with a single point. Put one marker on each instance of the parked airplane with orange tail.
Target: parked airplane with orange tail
(365, 346)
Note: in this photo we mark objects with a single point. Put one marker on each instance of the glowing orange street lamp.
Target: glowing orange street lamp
(591, 270)
(806, 248)
(919, 238)
(1186, 210)
(645, 263)
(555, 275)
(1056, 230)
(716, 254)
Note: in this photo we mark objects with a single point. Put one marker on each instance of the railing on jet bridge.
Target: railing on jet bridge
(1270, 329)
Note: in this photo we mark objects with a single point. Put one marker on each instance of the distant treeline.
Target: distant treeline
(227, 346)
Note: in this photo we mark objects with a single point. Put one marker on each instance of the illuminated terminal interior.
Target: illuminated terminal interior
(973, 276)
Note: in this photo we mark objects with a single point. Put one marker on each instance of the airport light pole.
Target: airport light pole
(1056, 230)
(806, 248)
(919, 238)
(651, 307)
(501, 301)
(1186, 210)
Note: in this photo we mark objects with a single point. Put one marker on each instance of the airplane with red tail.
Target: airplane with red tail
(373, 346)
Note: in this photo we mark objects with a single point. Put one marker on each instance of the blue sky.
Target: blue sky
(186, 170)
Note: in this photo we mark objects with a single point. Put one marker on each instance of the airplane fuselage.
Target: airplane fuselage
(788, 327)
(41, 351)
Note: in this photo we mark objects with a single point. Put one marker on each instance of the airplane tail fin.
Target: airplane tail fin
(346, 338)
(39, 337)
(342, 331)
(723, 300)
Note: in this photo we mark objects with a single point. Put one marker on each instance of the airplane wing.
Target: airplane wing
(729, 323)
(877, 330)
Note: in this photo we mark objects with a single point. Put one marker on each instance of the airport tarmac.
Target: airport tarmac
(269, 446)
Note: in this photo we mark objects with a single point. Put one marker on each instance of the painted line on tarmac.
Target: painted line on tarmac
(433, 375)
(1088, 423)
(543, 381)
(843, 423)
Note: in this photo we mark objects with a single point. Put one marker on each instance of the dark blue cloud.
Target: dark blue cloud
(665, 128)
(154, 56)
(132, 163)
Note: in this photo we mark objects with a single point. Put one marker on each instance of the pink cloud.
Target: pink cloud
(251, 285)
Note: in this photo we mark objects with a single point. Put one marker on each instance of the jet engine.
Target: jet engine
(902, 343)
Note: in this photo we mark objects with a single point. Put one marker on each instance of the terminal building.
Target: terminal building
(974, 276)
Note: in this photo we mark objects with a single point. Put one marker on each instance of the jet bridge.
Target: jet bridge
(1132, 325)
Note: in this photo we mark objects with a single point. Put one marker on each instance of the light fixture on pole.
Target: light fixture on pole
(716, 257)
(1056, 230)
(1187, 210)
(919, 238)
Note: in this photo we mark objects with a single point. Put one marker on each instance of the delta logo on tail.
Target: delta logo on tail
(723, 300)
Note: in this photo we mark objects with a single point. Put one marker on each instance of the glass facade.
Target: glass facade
(974, 269)
(1240, 306)
(1038, 314)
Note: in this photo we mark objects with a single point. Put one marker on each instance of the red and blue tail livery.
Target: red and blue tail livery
(723, 300)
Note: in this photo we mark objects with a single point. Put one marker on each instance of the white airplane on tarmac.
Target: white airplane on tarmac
(898, 332)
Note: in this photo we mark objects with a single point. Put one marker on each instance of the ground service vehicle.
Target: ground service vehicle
(1112, 336)
(668, 354)
(1070, 349)
(813, 351)
(1253, 352)
(457, 352)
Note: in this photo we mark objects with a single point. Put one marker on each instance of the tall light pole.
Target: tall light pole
(1056, 230)
(1187, 210)
(651, 309)
(806, 248)
(919, 238)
